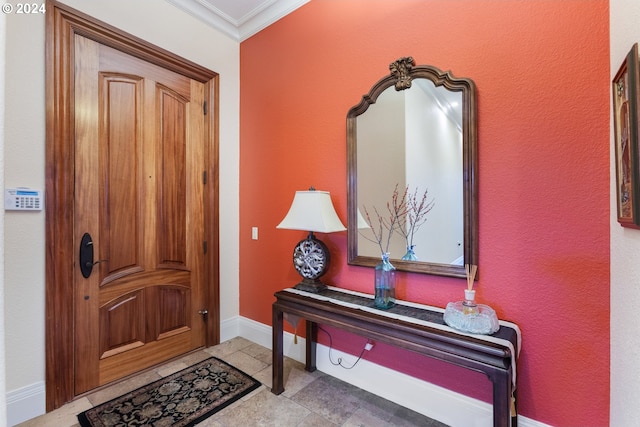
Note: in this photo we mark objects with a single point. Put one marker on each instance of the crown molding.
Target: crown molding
(245, 27)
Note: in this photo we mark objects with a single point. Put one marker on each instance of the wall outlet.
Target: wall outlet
(368, 346)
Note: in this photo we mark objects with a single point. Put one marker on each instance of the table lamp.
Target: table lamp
(311, 211)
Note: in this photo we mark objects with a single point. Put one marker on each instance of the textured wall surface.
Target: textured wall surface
(542, 73)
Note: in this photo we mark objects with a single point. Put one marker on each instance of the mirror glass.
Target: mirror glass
(412, 149)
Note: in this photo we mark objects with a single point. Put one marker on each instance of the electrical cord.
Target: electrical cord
(339, 362)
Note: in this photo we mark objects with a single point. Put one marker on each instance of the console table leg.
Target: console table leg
(501, 399)
(514, 415)
(312, 339)
(277, 366)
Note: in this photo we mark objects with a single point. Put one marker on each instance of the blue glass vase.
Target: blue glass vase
(410, 255)
(385, 284)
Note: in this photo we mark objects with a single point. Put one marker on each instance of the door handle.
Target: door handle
(86, 256)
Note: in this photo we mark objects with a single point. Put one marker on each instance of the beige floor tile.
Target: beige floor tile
(66, 416)
(264, 409)
(259, 352)
(296, 377)
(264, 376)
(330, 398)
(315, 420)
(244, 362)
(228, 347)
(182, 363)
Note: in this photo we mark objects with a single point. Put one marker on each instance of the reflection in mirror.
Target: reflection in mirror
(415, 139)
(418, 142)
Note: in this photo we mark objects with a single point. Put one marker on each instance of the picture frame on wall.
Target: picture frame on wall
(625, 117)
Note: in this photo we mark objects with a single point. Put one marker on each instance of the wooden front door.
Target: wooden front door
(132, 210)
(139, 162)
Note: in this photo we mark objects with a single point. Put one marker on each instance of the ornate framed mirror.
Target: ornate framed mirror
(412, 141)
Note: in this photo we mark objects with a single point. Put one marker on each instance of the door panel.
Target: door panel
(121, 99)
(175, 303)
(122, 327)
(172, 114)
(139, 193)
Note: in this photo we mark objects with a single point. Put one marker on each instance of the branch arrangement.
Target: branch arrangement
(416, 210)
(406, 213)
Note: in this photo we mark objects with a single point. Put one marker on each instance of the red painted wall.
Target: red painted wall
(542, 74)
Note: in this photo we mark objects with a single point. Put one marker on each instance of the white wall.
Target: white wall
(383, 128)
(434, 159)
(24, 134)
(625, 254)
(24, 231)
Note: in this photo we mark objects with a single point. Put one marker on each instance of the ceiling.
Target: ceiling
(239, 19)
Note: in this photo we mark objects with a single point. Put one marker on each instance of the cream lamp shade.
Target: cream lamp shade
(311, 211)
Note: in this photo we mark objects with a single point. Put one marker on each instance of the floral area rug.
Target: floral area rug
(179, 400)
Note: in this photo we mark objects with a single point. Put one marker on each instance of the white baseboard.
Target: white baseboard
(26, 403)
(446, 406)
(230, 328)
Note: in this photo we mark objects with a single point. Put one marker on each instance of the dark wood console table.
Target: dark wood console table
(409, 326)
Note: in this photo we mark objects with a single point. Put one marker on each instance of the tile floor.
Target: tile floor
(309, 399)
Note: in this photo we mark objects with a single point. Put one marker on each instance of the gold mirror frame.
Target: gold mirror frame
(403, 72)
